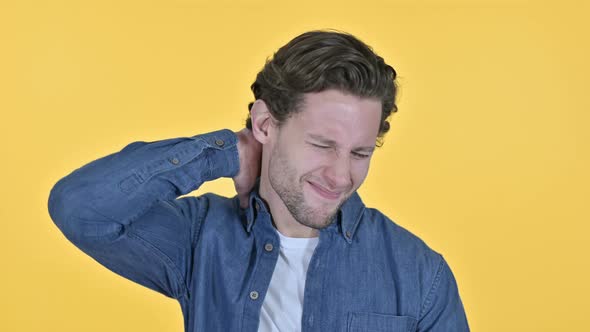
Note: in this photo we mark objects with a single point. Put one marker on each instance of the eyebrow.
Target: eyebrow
(331, 142)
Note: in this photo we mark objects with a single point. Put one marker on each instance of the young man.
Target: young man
(296, 249)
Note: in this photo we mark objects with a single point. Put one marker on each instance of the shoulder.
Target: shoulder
(376, 224)
(414, 264)
(402, 247)
(220, 204)
(222, 215)
(198, 208)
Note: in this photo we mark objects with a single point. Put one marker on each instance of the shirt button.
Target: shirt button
(254, 295)
(268, 247)
(257, 206)
(348, 235)
(219, 142)
(175, 161)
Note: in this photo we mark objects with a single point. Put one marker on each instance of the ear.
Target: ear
(262, 121)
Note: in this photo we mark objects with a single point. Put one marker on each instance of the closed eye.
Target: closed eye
(360, 155)
(355, 154)
(320, 146)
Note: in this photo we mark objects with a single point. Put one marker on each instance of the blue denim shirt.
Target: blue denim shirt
(366, 274)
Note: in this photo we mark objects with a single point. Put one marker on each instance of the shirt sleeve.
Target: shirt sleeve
(123, 209)
(442, 310)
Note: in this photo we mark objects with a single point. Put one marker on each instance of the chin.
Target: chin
(318, 223)
(322, 213)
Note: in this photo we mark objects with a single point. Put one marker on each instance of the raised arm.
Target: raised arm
(122, 209)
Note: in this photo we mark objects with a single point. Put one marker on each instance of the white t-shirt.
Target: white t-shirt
(283, 303)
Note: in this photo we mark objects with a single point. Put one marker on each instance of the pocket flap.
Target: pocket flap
(375, 322)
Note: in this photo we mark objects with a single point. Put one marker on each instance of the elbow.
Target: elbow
(58, 205)
(63, 204)
(79, 222)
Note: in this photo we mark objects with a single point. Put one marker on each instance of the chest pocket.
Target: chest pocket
(374, 322)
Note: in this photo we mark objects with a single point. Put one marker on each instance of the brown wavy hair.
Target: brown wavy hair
(319, 60)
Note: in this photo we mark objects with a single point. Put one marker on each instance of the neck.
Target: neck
(283, 220)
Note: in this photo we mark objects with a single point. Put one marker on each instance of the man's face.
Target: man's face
(321, 155)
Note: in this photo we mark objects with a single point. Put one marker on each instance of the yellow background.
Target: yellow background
(487, 159)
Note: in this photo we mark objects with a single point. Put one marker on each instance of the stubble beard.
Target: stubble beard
(283, 180)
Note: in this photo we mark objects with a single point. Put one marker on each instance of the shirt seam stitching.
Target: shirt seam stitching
(433, 288)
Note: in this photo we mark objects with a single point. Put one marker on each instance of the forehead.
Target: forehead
(339, 115)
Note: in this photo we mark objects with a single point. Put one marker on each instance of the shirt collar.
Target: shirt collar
(347, 218)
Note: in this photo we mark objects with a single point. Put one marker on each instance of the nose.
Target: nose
(337, 174)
